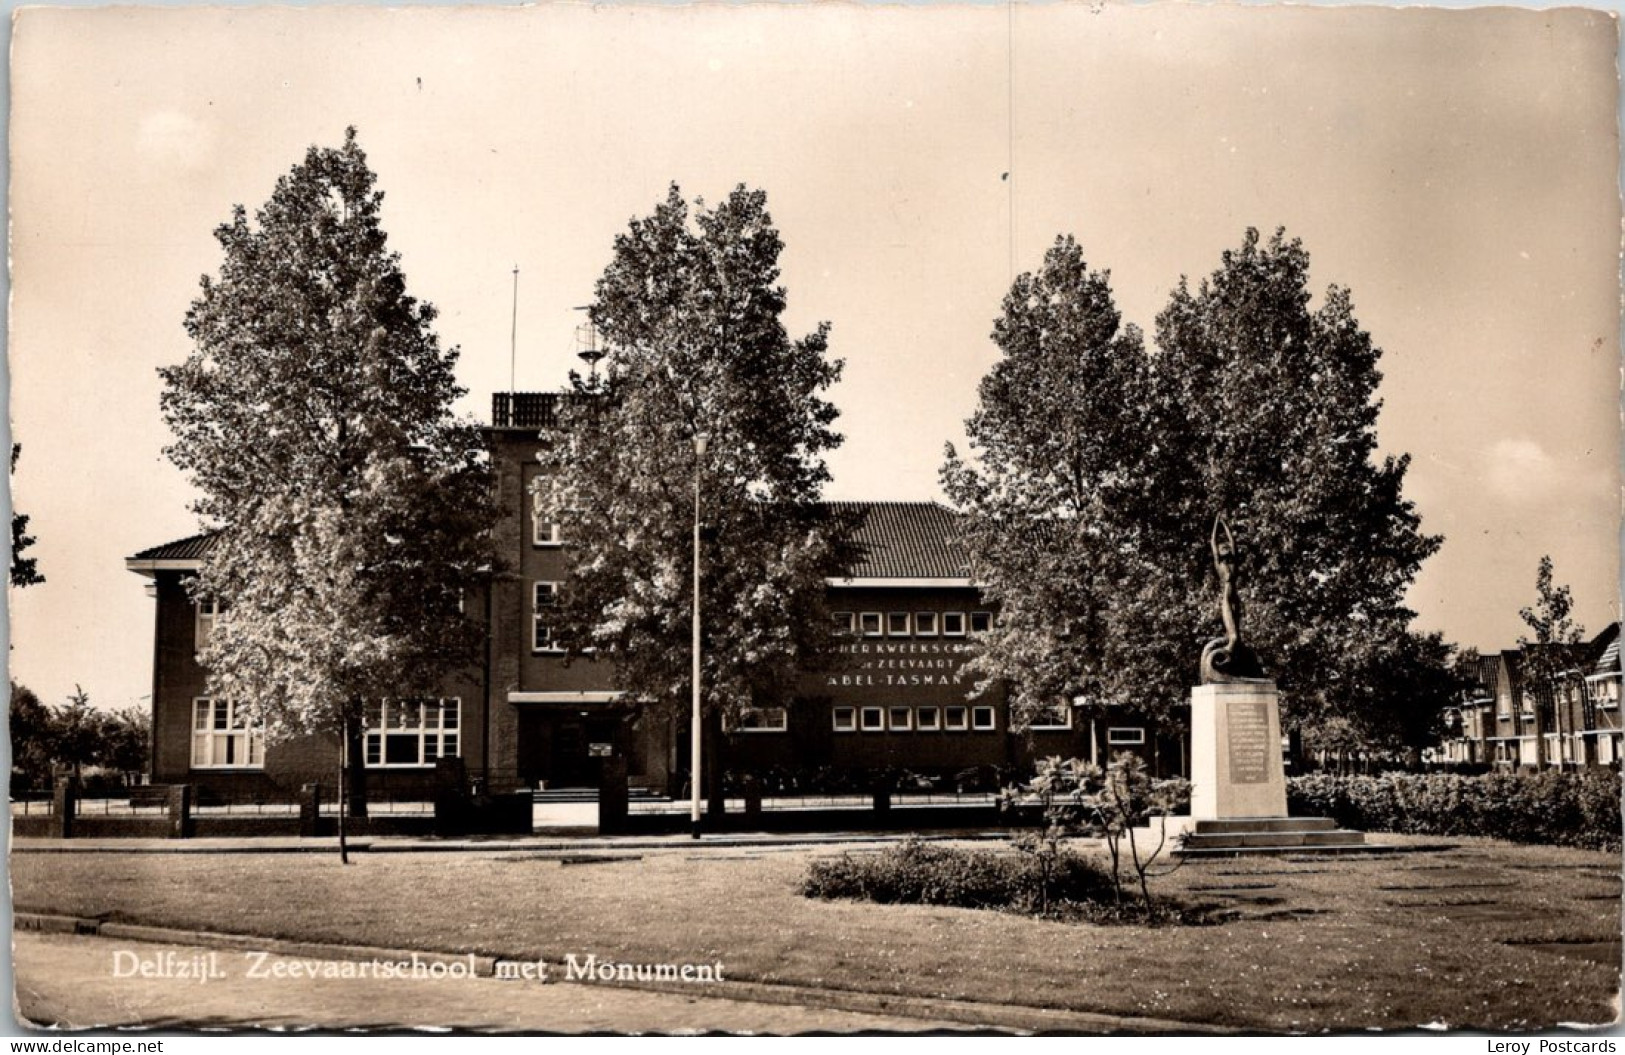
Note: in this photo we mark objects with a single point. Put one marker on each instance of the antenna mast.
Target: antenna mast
(513, 338)
(587, 344)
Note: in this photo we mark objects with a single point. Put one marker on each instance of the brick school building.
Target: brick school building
(898, 705)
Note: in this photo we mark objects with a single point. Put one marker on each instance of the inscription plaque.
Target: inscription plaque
(1249, 729)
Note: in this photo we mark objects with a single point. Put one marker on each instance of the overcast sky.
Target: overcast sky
(1455, 169)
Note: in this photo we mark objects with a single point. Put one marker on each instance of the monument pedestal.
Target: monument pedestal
(1238, 782)
(1236, 766)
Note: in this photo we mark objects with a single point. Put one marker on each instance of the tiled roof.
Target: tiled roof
(1489, 671)
(896, 540)
(192, 548)
(1608, 663)
(1608, 659)
(905, 540)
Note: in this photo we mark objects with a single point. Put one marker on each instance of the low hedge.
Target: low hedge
(919, 873)
(1580, 808)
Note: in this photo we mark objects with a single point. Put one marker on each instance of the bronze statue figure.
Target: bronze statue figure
(1227, 658)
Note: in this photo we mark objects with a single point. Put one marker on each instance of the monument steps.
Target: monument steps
(1226, 825)
(1233, 835)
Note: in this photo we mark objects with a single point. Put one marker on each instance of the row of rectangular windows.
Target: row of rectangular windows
(1602, 691)
(911, 719)
(544, 598)
(878, 719)
(953, 719)
(912, 624)
(925, 720)
(415, 733)
(399, 734)
(545, 594)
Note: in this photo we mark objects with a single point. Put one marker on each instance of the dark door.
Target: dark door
(571, 766)
(535, 748)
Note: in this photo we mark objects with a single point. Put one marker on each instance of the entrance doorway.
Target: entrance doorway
(564, 749)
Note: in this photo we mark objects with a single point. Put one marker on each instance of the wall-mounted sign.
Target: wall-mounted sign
(895, 665)
(600, 750)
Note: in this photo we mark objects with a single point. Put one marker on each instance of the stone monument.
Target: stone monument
(1238, 781)
(1236, 766)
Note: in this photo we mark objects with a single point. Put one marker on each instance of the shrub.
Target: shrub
(1567, 809)
(920, 873)
(1078, 797)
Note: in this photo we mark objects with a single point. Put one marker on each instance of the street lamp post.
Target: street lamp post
(695, 772)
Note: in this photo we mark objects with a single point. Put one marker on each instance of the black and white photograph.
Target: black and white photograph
(806, 518)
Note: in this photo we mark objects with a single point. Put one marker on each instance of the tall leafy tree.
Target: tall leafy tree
(30, 739)
(1281, 404)
(314, 415)
(1055, 488)
(690, 309)
(127, 741)
(1099, 468)
(78, 733)
(1551, 654)
(24, 570)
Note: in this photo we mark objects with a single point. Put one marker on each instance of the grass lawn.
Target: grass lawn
(1481, 934)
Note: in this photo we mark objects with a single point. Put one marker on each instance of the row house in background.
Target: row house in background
(1470, 723)
(1507, 720)
(526, 716)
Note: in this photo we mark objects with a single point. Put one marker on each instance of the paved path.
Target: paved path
(537, 842)
(72, 980)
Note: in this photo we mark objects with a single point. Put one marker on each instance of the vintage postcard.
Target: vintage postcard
(785, 518)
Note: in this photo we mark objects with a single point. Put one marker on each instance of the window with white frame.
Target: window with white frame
(928, 720)
(845, 719)
(844, 622)
(764, 720)
(981, 622)
(897, 624)
(900, 719)
(544, 530)
(544, 607)
(953, 624)
(223, 738)
(925, 624)
(983, 719)
(869, 623)
(873, 719)
(207, 613)
(956, 719)
(1051, 716)
(1125, 737)
(403, 733)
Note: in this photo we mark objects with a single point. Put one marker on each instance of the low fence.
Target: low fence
(776, 803)
(177, 812)
(174, 811)
(621, 813)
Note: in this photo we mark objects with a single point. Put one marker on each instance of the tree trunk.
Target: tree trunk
(344, 774)
(1540, 731)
